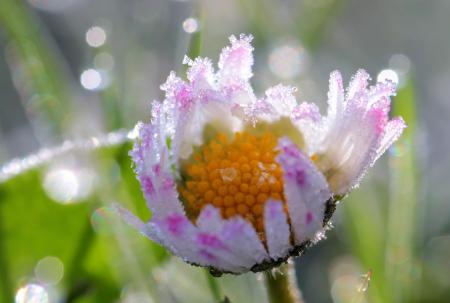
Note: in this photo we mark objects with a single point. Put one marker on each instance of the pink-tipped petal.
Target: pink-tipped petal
(213, 239)
(381, 91)
(277, 230)
(177, 90)
(151, 157)
(200, 73)
(210, 219)
(179, 236)
(335, 95)
(281, 99)
(218, 253)
(306, 191)
(223, 257)
(145, 229)
(243, 240)
(236, 60)
(306, 111)
(392, 132)
(235, 70)
(358, 84)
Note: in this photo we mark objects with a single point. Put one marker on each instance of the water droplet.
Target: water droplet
(49, 270)
(365, 281)
(228, 174)
(191, 25)
(388, 75)
(32, 293)
(96, 36)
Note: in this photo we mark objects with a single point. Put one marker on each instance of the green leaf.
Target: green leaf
(100, 254)
(402, 221)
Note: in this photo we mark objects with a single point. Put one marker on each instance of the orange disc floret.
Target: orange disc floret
(237, 176)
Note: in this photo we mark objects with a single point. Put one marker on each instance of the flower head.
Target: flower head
(238, 183)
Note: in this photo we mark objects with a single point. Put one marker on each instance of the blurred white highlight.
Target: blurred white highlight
(400, 63)
(190, 25)
(91, 79)
(388, 75)
(288, 60)
(95, 36)
(66, 185)
(32, 293)
(49, 270)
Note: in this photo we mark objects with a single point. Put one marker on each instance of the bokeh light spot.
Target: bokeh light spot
(190, 25)
(49, 270)
(32, 293)
(68, 186)
(400, 63)
(96, 36)
(288, 60)
(91, 79)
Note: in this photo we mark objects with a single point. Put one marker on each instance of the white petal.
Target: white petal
(243, 240)
(392, 132)
(277, 230)
(210, 219)
(335, 96)
(236, 60)
(358, 84)
(312, 125)
(306, 191)
(219, 253)
(179, 236)
(282, 100)
(211, 224)
(215, 240)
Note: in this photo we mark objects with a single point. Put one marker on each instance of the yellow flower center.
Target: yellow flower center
(238, 177)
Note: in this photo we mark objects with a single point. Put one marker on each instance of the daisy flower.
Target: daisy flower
(237, 183)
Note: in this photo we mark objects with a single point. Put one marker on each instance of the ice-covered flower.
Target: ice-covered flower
(236, 182)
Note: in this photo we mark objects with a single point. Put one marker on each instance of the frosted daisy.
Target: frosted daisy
(238, 183)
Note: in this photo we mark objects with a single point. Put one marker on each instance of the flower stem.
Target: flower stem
(214, 287)
(282, 285)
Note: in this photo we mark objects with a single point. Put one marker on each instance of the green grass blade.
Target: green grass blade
(30, 54)
(402, 212)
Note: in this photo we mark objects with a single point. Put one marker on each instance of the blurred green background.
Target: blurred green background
(72, 71)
